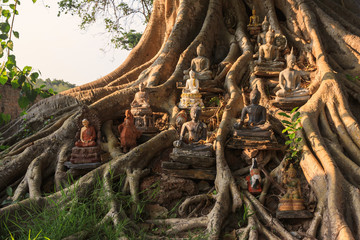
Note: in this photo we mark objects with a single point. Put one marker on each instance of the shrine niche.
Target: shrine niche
(86, 152)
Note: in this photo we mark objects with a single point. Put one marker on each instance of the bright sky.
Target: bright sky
(58, 48)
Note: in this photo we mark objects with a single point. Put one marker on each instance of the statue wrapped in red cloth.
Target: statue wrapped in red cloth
(128, 132)
(87, 135)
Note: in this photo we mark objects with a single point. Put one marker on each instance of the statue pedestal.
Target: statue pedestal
(189, 100)
(288, 103)
(85, 155)
(144, 120)
(254, 30)
(267, 70)
(261, 140)
(192, 163)
(82, 166)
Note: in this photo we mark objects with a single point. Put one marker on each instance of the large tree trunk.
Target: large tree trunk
(327, 31)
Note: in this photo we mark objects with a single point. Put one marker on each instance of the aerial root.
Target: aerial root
(133, 178)
(254, 227)
(198, 199)
(181, 224)
(267, 218)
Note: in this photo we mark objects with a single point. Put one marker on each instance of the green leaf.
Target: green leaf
(10, 45)
(31, 95)
(16, 34)
(3, 36)
(295, 116)
(292, 136)
(26, 70)
(6, 13)
(15, 83)
(294, 110)
(298, 139)
(9, 191)
(284, 114)
(42, 86)
(286, 122)
(5, 1)
(3, 78)
(34, 1)
(23, 102)
(34, 77)
(288, 142)
(12, 6)
(5, 27)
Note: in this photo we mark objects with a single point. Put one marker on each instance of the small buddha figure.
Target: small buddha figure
(261, 38)
(200, 65)
(292, 200)
(254, 179)
(254, 19)
(190, 95)
(192, 84)
(128, 132)
(87, 135)
(141, 98)
(256, 114)
(196, 130)
(269, 54)
(290, 82)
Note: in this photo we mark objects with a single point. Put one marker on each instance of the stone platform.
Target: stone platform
(261, 140)
(302, 214)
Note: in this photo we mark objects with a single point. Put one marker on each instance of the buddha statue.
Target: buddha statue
(269, 54)
(196, 130)
(254, 19)
(87, 147)
(87, 135)
(292, 200)
(256, 114)
(128, 132)
(141, 98)
(290, 83)
(261, 38)
(141, 111)
(200, 65)
(190, 95)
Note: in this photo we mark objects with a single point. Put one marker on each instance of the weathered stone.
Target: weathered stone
(82, 165)
(156, 211)
(202, 174)
(174, 165)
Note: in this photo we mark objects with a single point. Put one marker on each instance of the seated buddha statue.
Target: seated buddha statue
(87, 135)
(196, 131)
(200, 65)
(290, 83)
(292, 200)
(142, 112)
(256, 114)
(268, 63)
(261, 38)
(141, 98)
(254, 19)
(87, 148)
(190, 95)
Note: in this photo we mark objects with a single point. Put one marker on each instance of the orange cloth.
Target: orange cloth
(88, 138)
(128, 132)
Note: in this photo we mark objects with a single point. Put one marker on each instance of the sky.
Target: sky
(58, 48)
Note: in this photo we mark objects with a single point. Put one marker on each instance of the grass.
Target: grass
(61, 221)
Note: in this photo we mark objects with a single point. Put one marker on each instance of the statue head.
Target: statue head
(291, 59)
(195, 112)
(192, 74)
(200, 50)
(255, 96)
(270, 36)
(291, 172)
(253, 11)
(85, 122)
(141, 87)
(265, 24)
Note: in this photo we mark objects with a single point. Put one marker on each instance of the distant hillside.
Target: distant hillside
(56, 85)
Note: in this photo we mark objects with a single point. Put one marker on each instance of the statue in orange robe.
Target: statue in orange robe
(87, 135)
(128, 132)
